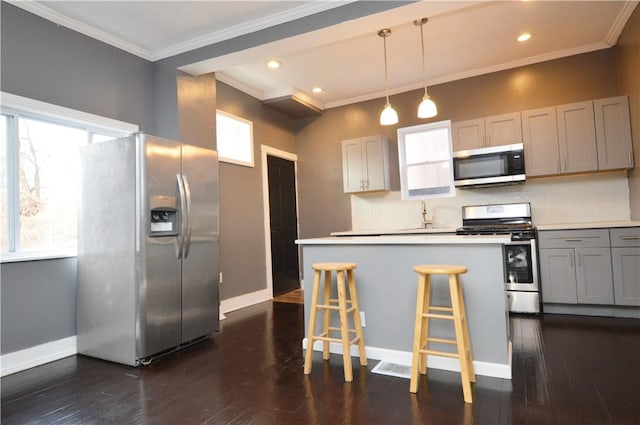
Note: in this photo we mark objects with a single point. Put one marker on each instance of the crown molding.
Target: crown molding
(239, 85)
(37, 8)
(621, 20)
(57, 18)
(249, 27)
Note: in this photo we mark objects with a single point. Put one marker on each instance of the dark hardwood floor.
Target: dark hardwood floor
(566, 370)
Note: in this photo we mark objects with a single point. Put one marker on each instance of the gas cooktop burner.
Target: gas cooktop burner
(498, 219)
(497, 228)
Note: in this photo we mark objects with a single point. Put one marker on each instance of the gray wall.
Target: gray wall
(50, 63)
(38, 302)
(571, 79)
(242, 254)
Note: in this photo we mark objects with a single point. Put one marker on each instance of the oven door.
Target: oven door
(521, 266)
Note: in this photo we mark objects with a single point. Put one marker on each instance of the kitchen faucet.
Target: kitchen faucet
(425, 223)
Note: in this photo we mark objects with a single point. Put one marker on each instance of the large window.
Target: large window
(426, 164)
(234, 139)
(39, 188)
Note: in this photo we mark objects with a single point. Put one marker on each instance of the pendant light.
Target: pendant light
(389, 116)
(427, 108)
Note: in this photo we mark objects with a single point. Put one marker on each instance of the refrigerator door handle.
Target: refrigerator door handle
(183, 202)
(187, 239)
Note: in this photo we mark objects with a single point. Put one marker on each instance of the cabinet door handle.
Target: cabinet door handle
(579, 260)
(564, 164)
(488, 139)
(630, 158)
(629, 238)
(573, 240)
(558, 165)
(571, 260)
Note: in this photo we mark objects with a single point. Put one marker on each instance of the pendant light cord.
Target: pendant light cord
(424, 72)
(421, 22)
(386, 79)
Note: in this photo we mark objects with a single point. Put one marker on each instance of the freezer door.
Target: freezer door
(159, 289)
(106, 294)
(200, 267)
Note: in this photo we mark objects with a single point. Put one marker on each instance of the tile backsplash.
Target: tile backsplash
(562, 199)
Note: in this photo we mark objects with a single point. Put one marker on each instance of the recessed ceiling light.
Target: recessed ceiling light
(273, 64)
(524, 36)
(317, 89)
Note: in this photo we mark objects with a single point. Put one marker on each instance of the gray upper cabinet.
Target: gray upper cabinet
(468, 134)
(540, 138)
(497, 130)
(575, 266)
(577, 137)
(365, 164)
(625, 253)
(613, 133)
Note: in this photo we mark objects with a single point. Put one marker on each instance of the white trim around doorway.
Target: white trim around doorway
(264, 151)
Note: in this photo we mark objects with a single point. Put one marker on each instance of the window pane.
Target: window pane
(97, 137)
(49, 177)
(425, 161)
(234, 139)
(4, 217)
(431, 145)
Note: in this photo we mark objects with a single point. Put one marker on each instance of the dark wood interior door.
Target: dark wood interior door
(284, 224)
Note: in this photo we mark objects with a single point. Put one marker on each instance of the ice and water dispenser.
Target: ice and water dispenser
(163, 218)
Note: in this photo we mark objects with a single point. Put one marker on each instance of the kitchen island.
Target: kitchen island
(387, 288)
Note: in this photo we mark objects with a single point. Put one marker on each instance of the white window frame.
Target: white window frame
(17, 106)
(423, 128)
(246, 162)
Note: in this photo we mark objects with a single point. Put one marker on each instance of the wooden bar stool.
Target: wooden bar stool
(455, 313)
(343, 305)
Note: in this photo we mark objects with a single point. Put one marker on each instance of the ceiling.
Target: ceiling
(462, 39)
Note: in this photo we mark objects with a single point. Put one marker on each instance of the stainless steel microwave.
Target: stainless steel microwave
(497, 165)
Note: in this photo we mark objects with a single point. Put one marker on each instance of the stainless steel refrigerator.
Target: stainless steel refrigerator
(148, 233)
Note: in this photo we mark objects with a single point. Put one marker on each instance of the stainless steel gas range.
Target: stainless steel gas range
(520, 256)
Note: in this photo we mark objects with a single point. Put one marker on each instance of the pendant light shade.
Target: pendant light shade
(389, 116)
(427, 107)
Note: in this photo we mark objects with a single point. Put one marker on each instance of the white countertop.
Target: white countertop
(414, 231)
(590, 225)
(429, 239)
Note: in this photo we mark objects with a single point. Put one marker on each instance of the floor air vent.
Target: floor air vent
(392, 369)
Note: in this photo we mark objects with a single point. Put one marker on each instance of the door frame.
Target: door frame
(264, 151)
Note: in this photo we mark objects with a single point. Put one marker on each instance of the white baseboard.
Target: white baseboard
(494, 370)
(245, 300)
(38, 355)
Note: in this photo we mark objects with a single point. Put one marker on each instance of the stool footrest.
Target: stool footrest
(440, 353)
(442, 340)
(438, 316)
(338, 340)
(340, 330)
(334, 307)
(437, 308)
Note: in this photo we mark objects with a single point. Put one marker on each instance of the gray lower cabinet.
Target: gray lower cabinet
(594, 276)
(575, 266)
(625, 253)
(558, 276)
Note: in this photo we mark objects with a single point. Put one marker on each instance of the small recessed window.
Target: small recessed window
(426, 164)
(234, 139)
